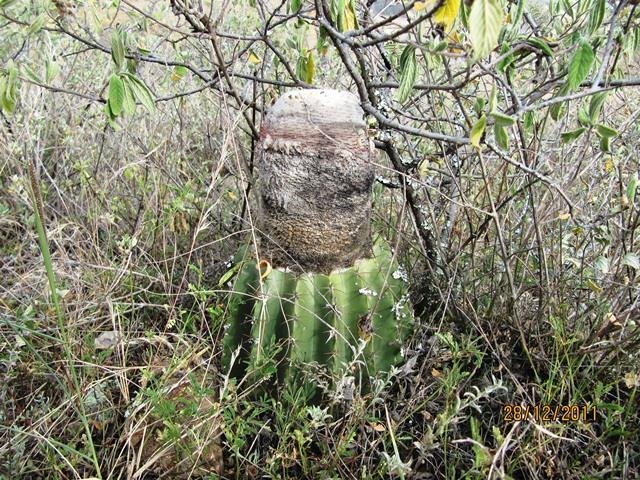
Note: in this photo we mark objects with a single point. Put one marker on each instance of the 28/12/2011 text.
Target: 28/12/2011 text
(549, 413)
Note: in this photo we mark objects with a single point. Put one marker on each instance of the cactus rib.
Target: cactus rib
(291, 320)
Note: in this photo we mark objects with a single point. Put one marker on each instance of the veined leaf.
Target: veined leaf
(631, 187)
(529, 119)
(595, 105)
(541, 45)
(477, 130)
(485, 22)
(556, 109)
(597, 15)
(37, 24)
(8, 99)
(253, 58)
(580, 64)
(583, 118)
(51, 69)
(408, 72)
(30, 74)
(446, 15)
(116, 94)
(117, 48)
(129, 101)
(502, 138)
(606, 132)
(502, 119)
(140, 91)
(572, 135)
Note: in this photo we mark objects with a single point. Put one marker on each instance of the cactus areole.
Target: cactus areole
(320, 295)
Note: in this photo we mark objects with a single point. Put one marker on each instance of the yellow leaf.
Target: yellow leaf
(436, 373)
(594, 286)
(310, 68)
(632, 380)
(564, 216)
(377, 427)
(446, 15)
(253, 58)
(349, 20)
(419, 6)
(423, 168)
(477, 130)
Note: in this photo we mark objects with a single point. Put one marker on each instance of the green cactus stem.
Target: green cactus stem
(350, 322)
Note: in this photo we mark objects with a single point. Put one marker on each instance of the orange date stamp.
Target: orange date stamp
(549, 413)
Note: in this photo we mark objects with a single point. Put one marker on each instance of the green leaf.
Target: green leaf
(51, 70)
(632, 186)
(30, 74)
(493, 98)
(117, 48)
(540, 45)
(477, 130)
(631, 260)
(605, 143)
(606, 132)
(37, 24)
(441, 46)
(485, 22)
(502, 138)
(602, 264)
(557, 109)
(10, 89)
(140, 91)
(227, 276)
(580, 64)
(502, 119)
(597, 15)
(572, 135)
(294, 5)
(478, 105)
(129, 103)
(408, 72)
(529, 118)
(595, 105)
(179, 72)
(583, 118)
(116, 94)
(3, 86)
(519, 11)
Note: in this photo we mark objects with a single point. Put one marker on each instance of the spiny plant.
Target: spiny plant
(280, 321)
(320, 293)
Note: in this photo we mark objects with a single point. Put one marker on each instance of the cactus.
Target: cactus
(328, 296)
(280, 321)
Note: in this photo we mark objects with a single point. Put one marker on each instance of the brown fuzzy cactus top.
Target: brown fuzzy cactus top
(316, 176)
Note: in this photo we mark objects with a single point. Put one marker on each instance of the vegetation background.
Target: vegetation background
(508, 143)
